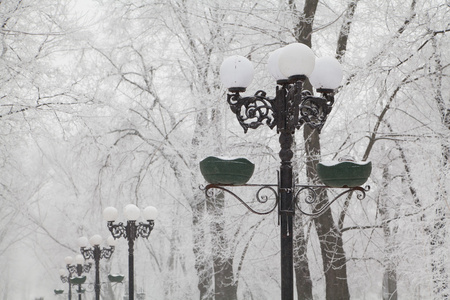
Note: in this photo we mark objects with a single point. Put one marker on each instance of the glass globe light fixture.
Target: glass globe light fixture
(83, 242)
(273, 66)
(111, 241)
(110, 214)
(95, 240)
(327, 74)
(236, 73)
(131, 212)
(68, 260)
(79, 259)
(150, 213)
(296, 60)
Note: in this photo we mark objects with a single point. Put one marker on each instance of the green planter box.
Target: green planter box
(226, 171)
(344, 174)
(116, 278)
(58, 292)
(78, 280)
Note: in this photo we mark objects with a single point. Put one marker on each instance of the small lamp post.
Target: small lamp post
(96, 254)
(78, 268)
(292, 107)
(131, 231)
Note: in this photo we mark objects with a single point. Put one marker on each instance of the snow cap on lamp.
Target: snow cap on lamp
(327, 74)
(236, 73)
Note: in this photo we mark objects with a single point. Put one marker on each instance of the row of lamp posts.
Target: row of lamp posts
(292, 107)
(130, 231)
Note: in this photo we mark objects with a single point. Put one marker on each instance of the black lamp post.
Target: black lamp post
(131, 231)
(96, 254)
(291, 107)
(78, 268)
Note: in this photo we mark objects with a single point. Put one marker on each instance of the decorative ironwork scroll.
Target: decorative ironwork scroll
(131, 230)
(260, 197)
(289, 110)
(310, 199)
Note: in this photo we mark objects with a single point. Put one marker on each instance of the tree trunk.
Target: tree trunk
(303, 31)
(389, 288)
(331, 244)
(225, 287)
(203, 263)
(439, 231)
(202, 259)
(301, 266)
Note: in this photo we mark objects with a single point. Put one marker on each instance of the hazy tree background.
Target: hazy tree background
(104, 103)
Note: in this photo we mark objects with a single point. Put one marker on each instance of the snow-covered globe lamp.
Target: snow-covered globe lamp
(296, 61)
(273, 66)
(327, 74)
(131, 212)
(236, 73)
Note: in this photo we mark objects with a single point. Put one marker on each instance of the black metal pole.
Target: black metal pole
(131, 234)
(97, 254)
(70, 288)
(79, 272)
(286, 211)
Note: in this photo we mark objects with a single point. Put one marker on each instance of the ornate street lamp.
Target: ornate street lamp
(291, 108)
(130, 232)
(78, 268)
(96, 254)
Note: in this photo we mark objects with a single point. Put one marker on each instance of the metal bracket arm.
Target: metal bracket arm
(310, 199)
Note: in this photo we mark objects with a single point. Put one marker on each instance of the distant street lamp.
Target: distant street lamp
(291, 108)
(96, 254)
(66, 278)
(78, 268)
(130, 232)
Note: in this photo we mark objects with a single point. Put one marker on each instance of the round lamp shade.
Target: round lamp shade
(83, 242)
(95, 240)
(79, 259)
(296, 59)
(131, 212)
(273, 66)
(150, 213)
(111, 241)
(62, 272)
(68, 260)
(327, 73)
(110, 214)
(236, 72)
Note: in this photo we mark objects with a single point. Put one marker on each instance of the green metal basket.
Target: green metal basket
(235, 171)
